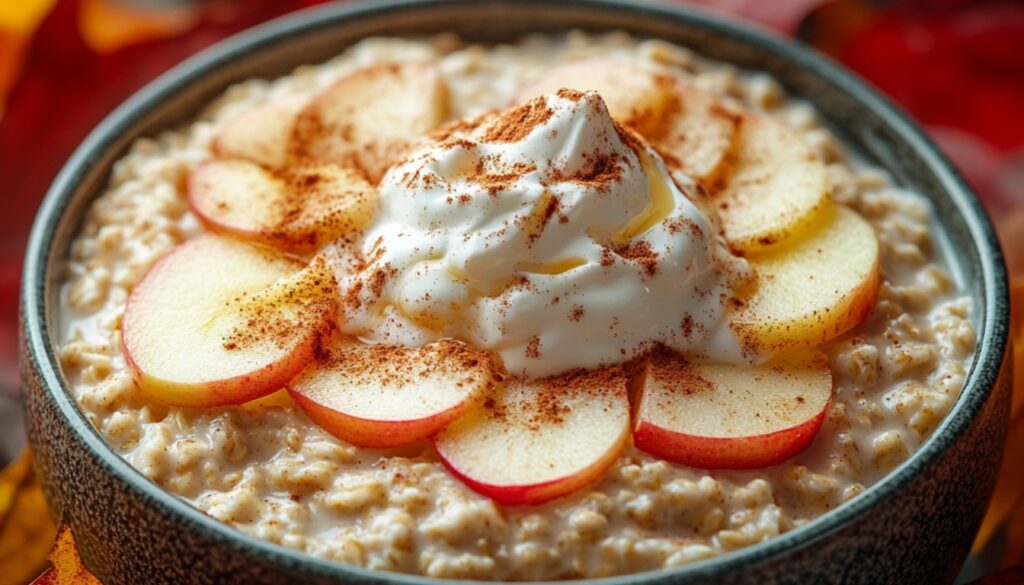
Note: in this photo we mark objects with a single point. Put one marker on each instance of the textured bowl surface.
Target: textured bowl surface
(914, 526)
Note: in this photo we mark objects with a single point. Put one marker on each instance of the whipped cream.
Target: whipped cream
(547, 234)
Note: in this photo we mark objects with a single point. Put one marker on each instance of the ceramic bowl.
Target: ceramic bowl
(914, 526)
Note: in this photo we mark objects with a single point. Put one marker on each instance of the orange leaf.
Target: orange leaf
(108, 26)
(18, 20)
(23, 16)
(67, 566)
(11, 479)
(26, 531)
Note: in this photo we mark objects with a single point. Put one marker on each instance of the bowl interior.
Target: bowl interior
(867, 123)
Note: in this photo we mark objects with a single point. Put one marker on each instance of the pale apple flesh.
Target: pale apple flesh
(635, 97)
(387, 396)
(731, 416)
(277, 399)
(533, 441)
(298, 210)
(814, 288)
(774, 186)
(697, 133)
(218, 322)
(369, 119)
(260, 134)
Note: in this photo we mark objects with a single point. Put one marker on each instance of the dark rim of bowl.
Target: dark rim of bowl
(978, 384)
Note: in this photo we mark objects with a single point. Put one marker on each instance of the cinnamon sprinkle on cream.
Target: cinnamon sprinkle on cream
(497, 226)
(517, 123)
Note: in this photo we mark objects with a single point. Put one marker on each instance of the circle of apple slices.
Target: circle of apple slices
(388, 395)
(533, 441)
(217, 321)
(731, 416)
(299, 210)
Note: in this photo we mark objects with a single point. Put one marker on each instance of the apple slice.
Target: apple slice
(697, 133)
(298, 210)
(775, 186)
(635, 97)
(731, 416)
(218, 322)
(814, 288)
(260, 134)
(369, 118)
(276, 399)
(536, 440)
(388, 395)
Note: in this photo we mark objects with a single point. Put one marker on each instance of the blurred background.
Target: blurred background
(956, 65)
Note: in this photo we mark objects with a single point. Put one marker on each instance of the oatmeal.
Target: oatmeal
(267, 469)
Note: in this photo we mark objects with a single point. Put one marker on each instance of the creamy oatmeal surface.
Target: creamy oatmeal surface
(267, 470)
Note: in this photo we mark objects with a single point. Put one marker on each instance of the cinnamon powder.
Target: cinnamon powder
(519, 122)
(639, 252)
(285, 313)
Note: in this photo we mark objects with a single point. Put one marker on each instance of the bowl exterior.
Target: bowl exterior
(921, 535)
(913, 527)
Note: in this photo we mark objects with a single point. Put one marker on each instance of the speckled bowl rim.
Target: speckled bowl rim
(979, 382)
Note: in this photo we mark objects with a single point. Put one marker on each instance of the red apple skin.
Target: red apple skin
(226, 392)
(539, 493)
(377, 434)
(751, 452)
